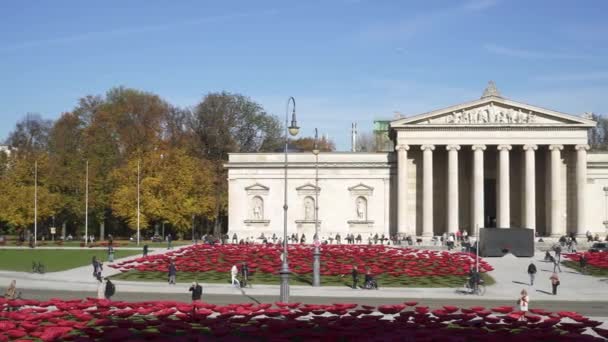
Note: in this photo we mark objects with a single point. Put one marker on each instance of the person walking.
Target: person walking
(556, 265)
(523, 301)
(146, 250)
(197, 291)
(110, 253)
(110, 289)
(244, 274)
(101, 288)
(234, 271)
(355, 275)
(450, 242)
(583, 263)
(554, 282)
(169, 240)
(558, 252)
(97, 268)
(172, 273)
(235, 239)
(532, 272)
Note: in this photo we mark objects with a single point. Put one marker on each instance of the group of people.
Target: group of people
(555, 282)
(369, 281)
(105, 287)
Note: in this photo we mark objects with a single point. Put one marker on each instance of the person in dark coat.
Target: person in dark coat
(110, 289)
(355, 275)
(244, 274)
(145, 250)
(532, 272)
(172, 273)
(583, 263)
(169, 240)
(197, 291)
(234, 238)
(97, 268)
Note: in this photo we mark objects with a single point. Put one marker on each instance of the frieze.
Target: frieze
(491, 115)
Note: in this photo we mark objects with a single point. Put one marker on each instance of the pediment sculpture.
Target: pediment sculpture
(490, 115)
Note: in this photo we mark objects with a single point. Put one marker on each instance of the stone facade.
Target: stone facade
(488, 162)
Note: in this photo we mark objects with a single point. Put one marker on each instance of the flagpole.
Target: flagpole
(138, 202)
(86, 207)
(35, 203)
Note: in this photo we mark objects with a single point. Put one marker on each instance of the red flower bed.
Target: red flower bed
(336, 260)
(599, 259)
(84, 320)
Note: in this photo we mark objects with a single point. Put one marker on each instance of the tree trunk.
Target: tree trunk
(102, 230)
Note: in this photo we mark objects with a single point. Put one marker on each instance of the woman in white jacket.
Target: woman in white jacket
(233, 273)
(101, 288)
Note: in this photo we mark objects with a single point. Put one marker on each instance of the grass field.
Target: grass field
(119, 243)
(591, 270)
(264, 278)
(53, 259)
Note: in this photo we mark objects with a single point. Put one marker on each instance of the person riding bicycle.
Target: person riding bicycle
(474, 278)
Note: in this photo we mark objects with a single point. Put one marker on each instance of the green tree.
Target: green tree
(223, 123)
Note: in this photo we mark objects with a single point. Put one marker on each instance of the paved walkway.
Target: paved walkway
(510, 275)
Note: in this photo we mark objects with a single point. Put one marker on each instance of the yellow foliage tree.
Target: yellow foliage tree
(174, 187)
(18, 186)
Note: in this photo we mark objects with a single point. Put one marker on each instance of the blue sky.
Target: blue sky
(343, 60)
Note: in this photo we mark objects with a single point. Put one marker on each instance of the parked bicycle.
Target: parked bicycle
(38, 267)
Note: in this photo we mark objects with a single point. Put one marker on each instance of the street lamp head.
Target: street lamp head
(293, 128)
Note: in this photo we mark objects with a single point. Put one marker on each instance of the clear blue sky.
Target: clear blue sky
(343, 60)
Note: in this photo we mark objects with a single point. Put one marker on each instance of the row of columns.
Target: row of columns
(503, 205)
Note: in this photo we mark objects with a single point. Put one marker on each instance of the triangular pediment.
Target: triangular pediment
(360, 187)
(307, 186)
(493, 111)
(257, 186)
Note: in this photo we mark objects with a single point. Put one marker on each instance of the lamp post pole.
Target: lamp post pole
(138, 213)
(284, 272)
(316, 265)
(35, 203)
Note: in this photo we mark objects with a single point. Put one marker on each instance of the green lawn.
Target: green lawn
(591, 270)
(119, 243)
(53, 259)
(383, 281)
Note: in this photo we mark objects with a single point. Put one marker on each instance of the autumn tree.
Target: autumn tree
(307, 144)
(174, 187)
(18, 186)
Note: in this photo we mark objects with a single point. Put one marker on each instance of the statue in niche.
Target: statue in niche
(309, 214)
(258, 209)
(361, 208)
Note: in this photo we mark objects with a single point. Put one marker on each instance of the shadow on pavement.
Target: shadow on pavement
(545, 292)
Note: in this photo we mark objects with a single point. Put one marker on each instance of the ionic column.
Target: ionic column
(402, 188)
(453, 188)
(504, 208)
(478, 205)
(427, 189)
(581, 188)
(530, 187)
(557, 209)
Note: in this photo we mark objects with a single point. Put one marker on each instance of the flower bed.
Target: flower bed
(597, 263)
(599, 259)
(336, 260)
(84, 320)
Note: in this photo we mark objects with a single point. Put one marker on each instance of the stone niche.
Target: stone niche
(360, 196)
(256, 194)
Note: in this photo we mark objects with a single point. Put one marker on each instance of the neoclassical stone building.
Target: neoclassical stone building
(492, 162)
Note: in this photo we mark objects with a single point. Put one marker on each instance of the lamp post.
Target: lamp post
(316, 264)
(293, 131)
(606, 207)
